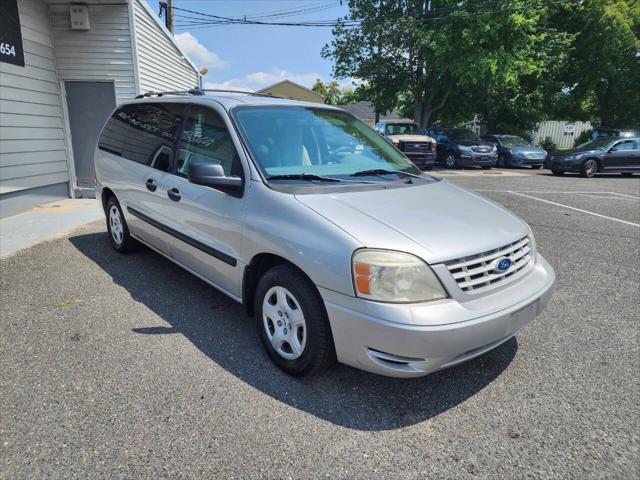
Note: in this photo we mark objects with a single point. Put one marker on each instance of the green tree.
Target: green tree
(333, 94)
(460, 58)
(601, 75)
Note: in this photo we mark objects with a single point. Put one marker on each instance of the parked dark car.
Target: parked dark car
(514, 151)
(601, 155)
(460, 147)
(410, 139)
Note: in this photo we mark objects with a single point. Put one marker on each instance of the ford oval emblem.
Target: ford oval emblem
(502, 264)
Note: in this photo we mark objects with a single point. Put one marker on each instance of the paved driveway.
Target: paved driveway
(128, 367)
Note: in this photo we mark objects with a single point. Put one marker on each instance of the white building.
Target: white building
(80, 59)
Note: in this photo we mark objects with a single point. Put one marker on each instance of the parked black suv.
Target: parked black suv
(601, 155)
(459, 147)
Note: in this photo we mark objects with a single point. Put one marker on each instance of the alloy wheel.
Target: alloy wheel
(116, 225)
(450, 161)
(284, 323)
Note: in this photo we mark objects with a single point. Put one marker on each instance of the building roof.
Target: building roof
(285, 82)
(365, 111)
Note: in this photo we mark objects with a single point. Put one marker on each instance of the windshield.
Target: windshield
(513, 142)
(462, 134)
(596, 143)
(403, 129)
(304, 141)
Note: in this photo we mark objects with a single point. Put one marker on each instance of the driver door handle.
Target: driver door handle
(174, 194)
(151, 185)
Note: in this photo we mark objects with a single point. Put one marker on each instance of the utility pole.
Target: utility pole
(169, 16)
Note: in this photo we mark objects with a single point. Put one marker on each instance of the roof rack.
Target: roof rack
(202, 91)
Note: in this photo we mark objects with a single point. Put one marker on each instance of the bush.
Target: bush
(548, 144)
(584, 137)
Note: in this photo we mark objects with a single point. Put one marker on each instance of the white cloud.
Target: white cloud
(257, 80)
(201, 55)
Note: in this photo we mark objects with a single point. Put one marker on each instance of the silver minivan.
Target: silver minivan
(338, 245)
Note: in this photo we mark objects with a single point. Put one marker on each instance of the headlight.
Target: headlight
(388, 276)
(575, 156)
(464, 149)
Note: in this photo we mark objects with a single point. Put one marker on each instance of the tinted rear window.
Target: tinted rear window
(138, 131)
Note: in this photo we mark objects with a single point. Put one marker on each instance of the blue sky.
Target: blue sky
(254, 56)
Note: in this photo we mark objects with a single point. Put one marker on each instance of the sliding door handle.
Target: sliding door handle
(174, 194)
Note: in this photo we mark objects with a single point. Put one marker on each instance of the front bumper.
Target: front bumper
(422, 160)
(413, 340)
(477, 159)
(563, 165)
(526, 162)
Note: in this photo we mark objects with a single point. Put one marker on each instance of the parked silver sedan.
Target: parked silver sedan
(338, 245)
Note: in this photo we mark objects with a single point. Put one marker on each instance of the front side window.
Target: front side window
(139, 131)
(626, 145)
(205, 139)
(292, 140)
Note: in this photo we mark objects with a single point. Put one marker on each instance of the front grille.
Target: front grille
(415, 147)
(477, 272)
(481, 149)
(534, 156)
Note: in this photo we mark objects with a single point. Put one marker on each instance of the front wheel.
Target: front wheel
(486, 167)
(557, 173)
(450, 161)
(501, 162)
(536, 167)
(589, 168)
(292, 322)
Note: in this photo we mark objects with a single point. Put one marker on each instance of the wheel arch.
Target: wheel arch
(106, 194)
(254, 270)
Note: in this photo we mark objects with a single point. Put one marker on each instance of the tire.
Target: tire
(303, 350)
(450, 161)
(589, 168)
(121, 239)
(501, 163)
(428, 167)
(536, 167)
(557, 173)
(486, 167)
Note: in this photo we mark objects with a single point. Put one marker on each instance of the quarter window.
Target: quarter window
(144, 133)
(205, 139)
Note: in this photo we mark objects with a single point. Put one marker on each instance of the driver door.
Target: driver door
(621, 156)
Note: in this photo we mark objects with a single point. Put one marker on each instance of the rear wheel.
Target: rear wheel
(486, 167)
(292, 322)
(589, 168)
(536, 167)
(557, 172)
(450, 161)
(121, 239)
(501, 162)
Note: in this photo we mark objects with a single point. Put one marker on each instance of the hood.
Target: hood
(410, 138)
(571, 151)
(438, 221)
(527, 149)
(473, 143)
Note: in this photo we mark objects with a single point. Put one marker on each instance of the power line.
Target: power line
(203, 20)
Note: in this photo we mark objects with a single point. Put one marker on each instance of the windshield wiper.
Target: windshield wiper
(382, 171)
(303, 176)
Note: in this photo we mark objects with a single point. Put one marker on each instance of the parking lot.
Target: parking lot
(128, 367)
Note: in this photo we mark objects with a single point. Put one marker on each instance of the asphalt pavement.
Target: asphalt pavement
(126, 366)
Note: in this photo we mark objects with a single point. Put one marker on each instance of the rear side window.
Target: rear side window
(144, 133)
(206, 140)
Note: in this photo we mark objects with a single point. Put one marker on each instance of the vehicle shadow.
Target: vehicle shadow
(220, 328)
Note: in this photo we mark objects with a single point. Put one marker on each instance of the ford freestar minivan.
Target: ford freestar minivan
(338, 245)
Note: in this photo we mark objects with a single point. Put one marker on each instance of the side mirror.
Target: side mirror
(212, 175)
